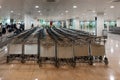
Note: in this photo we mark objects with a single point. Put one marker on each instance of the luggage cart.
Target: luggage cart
(81, 52)
(17, 45)
(65, 54)
(30, 46)
(46, 49)
(47, 52)
(14, 51)
(98, 50)
(30, 52)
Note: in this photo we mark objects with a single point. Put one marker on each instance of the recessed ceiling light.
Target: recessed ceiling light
(105, 14)
(39, 11)
(112, 6)
(11, 11)
(66, 11)
(93, 11)
(36, 6)
(74, 6)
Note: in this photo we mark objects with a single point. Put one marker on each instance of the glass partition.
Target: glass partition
(88, 26)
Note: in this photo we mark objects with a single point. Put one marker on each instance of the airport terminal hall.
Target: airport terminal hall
(59, 39)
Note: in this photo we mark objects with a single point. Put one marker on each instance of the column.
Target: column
(118, 22)
(62, 24)
(67, 24)
(99, 23)
(77, 24)
(28, 21)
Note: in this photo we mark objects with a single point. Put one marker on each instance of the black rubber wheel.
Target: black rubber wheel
(23, 61)
(7, 61)
(106, 61)
(73, 63)
(57, 64)
(91, 60)
(100, 58)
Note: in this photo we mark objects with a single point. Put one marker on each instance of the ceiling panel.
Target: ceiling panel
(56, 9)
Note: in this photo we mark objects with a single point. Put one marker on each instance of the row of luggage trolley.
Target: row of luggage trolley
(58, 46)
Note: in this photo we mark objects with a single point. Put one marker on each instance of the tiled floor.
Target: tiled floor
(31, 71)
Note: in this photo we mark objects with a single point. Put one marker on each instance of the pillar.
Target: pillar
(67, 24)
(28, 21)
(77, 24)
(99, 23)
(62, 23)
(118, 22)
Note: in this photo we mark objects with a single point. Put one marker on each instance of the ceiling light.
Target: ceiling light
(105, 14)
(39, 11)
(112, 6)
(66, 11)
(36, 6)
(11, 11)
(74, 6)
(0, 7)
(93, 11)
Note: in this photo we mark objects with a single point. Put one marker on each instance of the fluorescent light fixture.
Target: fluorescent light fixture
(66, 11)
(39, 11)
(74, 6)
(36, 7)
(11, 11)
(112, 6)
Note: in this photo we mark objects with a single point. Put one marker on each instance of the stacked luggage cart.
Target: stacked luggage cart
(23, 47)
(58, 46)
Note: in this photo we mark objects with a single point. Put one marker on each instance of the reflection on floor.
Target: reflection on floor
(31, 71)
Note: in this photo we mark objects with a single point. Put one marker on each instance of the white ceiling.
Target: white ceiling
(53, 10)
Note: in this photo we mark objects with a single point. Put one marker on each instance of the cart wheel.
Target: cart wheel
(74, 64)
(100, 58)
(22, 61)
(91, 60)
(106, 61)
(40, 62)
(57, 64)
(7, 61)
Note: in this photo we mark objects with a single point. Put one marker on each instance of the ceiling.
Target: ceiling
(86, 9)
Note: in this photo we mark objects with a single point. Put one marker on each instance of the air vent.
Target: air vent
(116, 1)
(51, 0)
